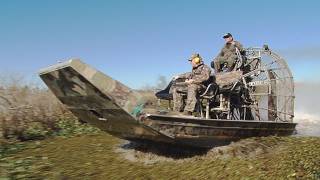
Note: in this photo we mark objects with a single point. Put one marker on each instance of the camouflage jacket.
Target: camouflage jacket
(199, 74)
(229, 50)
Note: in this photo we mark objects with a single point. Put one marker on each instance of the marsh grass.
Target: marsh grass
(31, 112)
(28, 112)
(97, 157)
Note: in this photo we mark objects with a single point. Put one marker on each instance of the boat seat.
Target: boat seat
(228, 80)
(165, 93)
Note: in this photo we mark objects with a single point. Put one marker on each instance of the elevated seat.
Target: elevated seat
(227, 81)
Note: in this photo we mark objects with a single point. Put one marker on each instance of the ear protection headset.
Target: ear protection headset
(197, 60)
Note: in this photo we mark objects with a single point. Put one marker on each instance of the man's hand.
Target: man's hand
(189, 81)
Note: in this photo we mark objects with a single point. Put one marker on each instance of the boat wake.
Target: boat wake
(307, 113)
(308, 124)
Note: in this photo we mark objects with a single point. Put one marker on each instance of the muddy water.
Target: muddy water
(102, 156)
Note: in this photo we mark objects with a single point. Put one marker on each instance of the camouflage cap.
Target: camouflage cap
(227, 35)
(195, 55)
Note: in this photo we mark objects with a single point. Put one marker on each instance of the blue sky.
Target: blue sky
(135, 41)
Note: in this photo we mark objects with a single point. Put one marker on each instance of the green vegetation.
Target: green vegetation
(14, 166)
(96, 157)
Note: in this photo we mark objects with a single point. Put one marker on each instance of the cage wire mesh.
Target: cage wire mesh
(271, 86)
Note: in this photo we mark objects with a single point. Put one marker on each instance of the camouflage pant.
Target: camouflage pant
(221, 60)
(179, 93)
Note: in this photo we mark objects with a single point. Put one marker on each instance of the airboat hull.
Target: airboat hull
(212, 132)
(106, 103)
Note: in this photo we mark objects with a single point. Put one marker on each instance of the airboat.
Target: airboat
(255, 99)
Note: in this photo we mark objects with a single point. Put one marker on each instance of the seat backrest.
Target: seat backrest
(165, 93)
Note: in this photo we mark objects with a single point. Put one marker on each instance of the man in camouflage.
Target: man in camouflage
(194, 82)
(228, 54)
